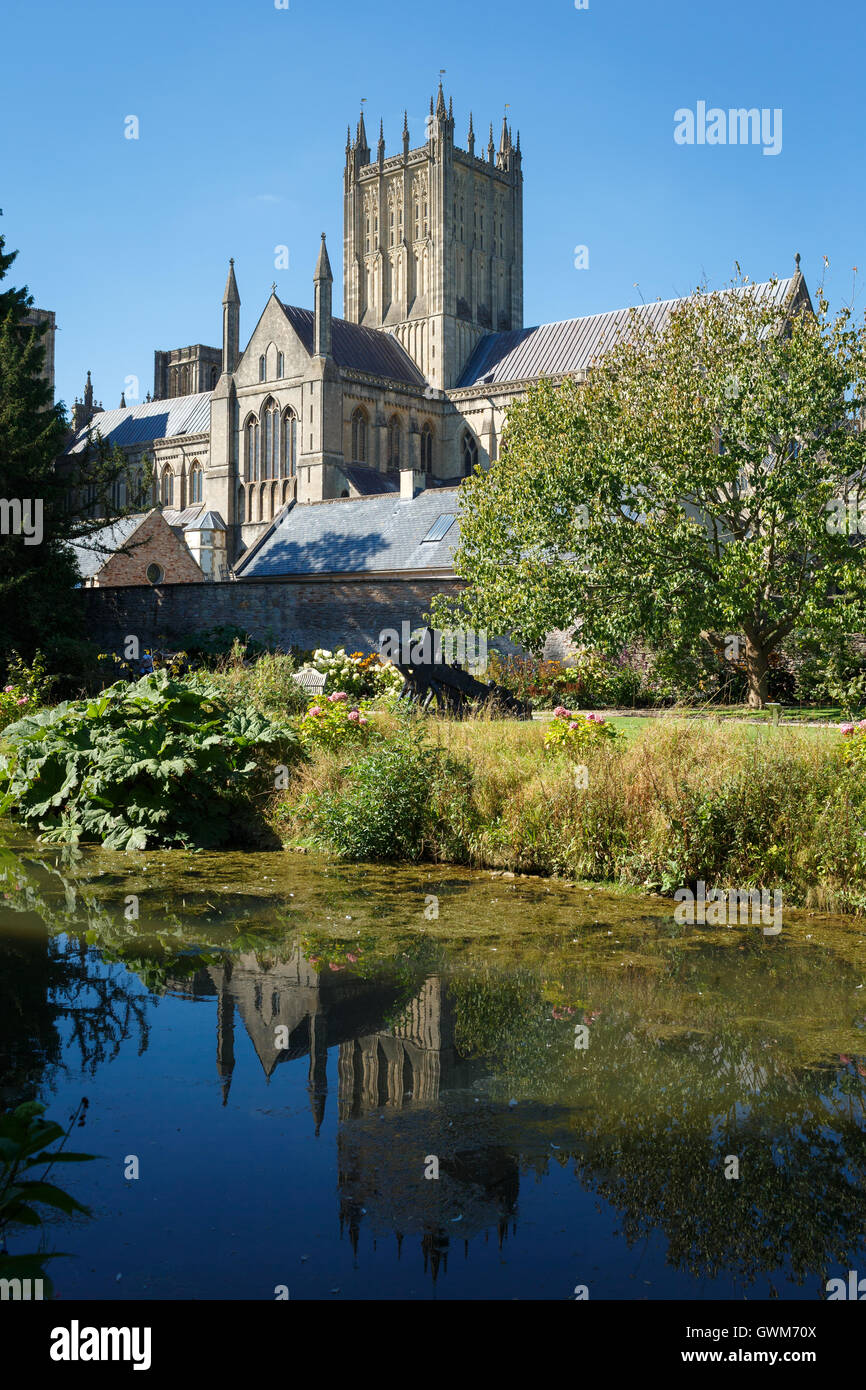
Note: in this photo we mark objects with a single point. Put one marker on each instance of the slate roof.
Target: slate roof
(554, 349)
(357, 535)
(361, 349)
(139, 424)
(101, 545)
(182, 519)
(368, 481)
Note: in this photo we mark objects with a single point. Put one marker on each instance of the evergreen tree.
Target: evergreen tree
(39, 608)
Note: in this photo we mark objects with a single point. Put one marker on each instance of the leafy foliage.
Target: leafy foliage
(38, 604)
(157, 762)
(388, 806)
(356, 673)
(687, 490)
(576, 733)
(333, 722)
(25, 1142)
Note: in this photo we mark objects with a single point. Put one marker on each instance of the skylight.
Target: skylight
(441, 526)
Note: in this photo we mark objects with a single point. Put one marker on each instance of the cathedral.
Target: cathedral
(404, 395)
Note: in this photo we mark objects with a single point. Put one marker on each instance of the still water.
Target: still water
(291, 1049)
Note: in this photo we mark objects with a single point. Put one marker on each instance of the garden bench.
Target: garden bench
(311, 681)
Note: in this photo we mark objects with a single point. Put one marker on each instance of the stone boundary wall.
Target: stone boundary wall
(303, 613)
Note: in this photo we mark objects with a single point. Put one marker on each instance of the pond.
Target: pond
(352, 1082)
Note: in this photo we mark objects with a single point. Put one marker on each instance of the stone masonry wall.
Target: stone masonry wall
(301, 613)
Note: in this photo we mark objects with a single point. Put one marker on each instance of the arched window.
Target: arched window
(270, 437)
(281, 364)
(289, 458)
(426, 448)
(241, 508)
(185, 381)
(470, 452)
(251, 450)
(195, 483)
(214, 376)
(167, 488)
(359, 436)
(262, 369)
(394, 433)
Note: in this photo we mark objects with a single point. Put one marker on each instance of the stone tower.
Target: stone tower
(433, 241)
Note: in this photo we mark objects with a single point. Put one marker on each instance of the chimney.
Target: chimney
(411, 483)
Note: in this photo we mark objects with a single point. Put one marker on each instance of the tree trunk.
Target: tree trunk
(758, 671)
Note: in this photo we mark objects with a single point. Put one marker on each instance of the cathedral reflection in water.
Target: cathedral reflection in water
(404, 1096)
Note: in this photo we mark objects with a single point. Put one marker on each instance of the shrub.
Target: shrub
(854, 748)
(387, 808)
(576, 733)
(26, 688)
(363, 676)
(268, 684)
(158, 762)
(332, 722)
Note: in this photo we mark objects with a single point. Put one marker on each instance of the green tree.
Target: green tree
(693, 489)
(38, 573)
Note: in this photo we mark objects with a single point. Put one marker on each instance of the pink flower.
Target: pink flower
(22, 701)
(846, 728)
(332, 966)
(315, 710)
(573, 725)
(7, 689)
(351, 956)
(862, 724)
(354, 716)
(362, 720)
(338, 695)
(561, 712)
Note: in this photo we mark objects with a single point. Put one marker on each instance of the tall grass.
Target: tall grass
(738, 807)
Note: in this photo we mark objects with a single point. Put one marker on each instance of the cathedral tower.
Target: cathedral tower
(433, 241)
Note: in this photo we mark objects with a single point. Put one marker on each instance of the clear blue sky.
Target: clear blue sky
(243, 111)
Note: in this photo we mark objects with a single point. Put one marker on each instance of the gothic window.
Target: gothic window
(241, 509)
(167, 488)
(367, 234)
(289, 457)
(185, 381)
(251, 450)
(426, 448)
(281, 364)
(470, 452)
(417, 219)
(394, 433)
(214, 376)
(195, 483)
(270, 438)
(391, 228)
(359, 436)
(262, 369)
